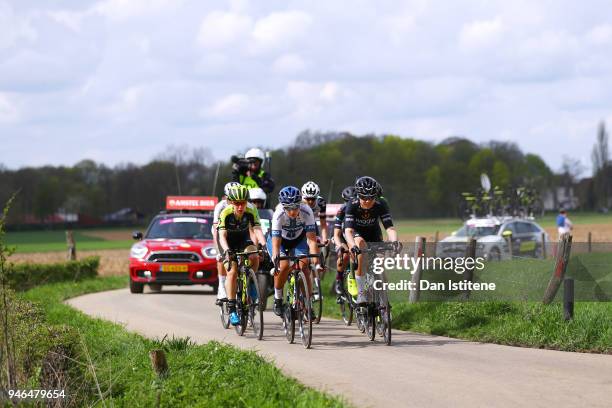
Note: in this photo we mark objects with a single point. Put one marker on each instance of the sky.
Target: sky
(120, 80)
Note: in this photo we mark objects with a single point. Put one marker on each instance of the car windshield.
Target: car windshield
(180, 228)
(470, 231)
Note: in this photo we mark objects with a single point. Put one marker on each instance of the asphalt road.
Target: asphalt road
(416, 371)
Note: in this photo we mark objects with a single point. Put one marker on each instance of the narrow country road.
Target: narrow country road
(416, 371)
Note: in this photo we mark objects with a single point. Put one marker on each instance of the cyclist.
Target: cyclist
(293, 230)
(339, 241)
(237, 224)
(361, 224)
(257, 197)
(318, 205)
(221, 272)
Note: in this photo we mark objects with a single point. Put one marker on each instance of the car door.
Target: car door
(526, 242)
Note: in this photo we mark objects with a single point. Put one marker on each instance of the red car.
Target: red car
(177, 248)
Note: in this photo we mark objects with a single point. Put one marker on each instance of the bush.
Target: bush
(25, 276)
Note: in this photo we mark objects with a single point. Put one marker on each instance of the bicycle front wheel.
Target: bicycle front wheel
(224, 315)
(317, 302)
(254, 299)
(304, 311)
(241, 309)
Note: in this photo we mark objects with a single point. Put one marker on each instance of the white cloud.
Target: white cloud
(600, 35)
(14, 28)
(481, 34)
(230, 105)
(9, 113)
(124, 9)
(280, 29)
(289, 64)
(220, 29)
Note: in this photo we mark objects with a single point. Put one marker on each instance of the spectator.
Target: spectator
(564, 225)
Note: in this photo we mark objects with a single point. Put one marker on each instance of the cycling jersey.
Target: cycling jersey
(365, 221)
(292, 228)
(339, 221)
(221, 205)
(238, 228)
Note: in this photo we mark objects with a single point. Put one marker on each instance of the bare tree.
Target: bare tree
(601, 161)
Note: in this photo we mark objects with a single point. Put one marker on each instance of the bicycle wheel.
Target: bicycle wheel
(347, 312)
(317, 303)
(240, 304)
(360, 317)
(369, 322)
(224, 315)
(383, 315)
(289, 323)
(254, 299)
(304, 311)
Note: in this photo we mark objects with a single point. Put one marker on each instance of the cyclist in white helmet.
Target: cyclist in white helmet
(222, 273)
(257, 197)
(318, 205)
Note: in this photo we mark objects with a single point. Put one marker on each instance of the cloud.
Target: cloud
(280, 30)
(289, 64)
(481, 34)
(124, 9)
(14, 28)
(9, 113)
(221, 29)
(230, 105)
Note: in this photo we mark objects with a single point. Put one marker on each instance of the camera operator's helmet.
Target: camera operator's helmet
(290, 197)
(257, 194)
(310, 190)
(229, 185)
(238, 193)
(255, 153)
(348, 193)
(367, 187)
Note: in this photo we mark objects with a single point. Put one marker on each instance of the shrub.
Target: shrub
(25, 276)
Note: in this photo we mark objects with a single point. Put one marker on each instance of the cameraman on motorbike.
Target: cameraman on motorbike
(249, 171)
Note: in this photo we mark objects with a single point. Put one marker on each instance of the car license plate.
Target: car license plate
(174, 268)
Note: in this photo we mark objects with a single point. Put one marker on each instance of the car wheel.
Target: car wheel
(136, 287)
(494, 255)
(155, 287)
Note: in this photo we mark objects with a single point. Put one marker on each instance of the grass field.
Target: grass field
(212, 374)
(89, 239)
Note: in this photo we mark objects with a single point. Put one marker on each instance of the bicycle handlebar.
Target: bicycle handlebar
(296, 257)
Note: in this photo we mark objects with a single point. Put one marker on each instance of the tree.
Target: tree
(601, 161)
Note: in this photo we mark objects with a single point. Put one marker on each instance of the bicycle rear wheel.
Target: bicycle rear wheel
(304, 311)
(317, 303)
(347, 312)
(289, 323)
(254, 299)
(370, 322)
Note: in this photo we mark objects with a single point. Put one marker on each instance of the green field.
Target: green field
(48, 241)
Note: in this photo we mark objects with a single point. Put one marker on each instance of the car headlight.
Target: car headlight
(138, 251)
(209, 252)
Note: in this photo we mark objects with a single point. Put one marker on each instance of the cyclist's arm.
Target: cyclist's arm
(387, 220)
(349, 234)
(338, 237)
(391, 234)
(223, 239)
(323, 221)
(311, 238)
(260, 239)
(276, 244)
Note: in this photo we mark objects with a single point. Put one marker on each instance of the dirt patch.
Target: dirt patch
(110, 235)
(112, 261)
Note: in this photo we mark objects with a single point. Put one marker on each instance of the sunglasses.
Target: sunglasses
(367, 198)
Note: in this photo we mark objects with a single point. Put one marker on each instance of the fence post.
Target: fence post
(568, 299)
(419, 253)
(435, 244)
(589, 241)
(563, 254)
(71, 245)
(469, 272)
(543, 245)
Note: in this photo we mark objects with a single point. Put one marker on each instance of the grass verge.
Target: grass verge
(212, 374)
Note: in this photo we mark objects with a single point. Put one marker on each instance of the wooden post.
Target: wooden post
(543, 245)
(589, 241)
(419, 252)
(563, 255)
(469, 272)
(71, 245)
(568, 299)
(435, 245)
(159, 362)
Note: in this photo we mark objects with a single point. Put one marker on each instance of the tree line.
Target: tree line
(420, 179)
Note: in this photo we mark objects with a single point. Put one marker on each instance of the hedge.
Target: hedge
(25, 276)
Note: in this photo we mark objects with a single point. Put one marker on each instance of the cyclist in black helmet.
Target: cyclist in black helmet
(361, 223)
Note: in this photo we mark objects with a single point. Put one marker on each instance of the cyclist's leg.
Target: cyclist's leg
(302, 249)
(280, 278)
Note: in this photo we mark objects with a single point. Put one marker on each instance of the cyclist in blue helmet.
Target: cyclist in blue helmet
(293, 232)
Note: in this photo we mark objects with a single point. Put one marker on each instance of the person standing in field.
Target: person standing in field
(564, 225)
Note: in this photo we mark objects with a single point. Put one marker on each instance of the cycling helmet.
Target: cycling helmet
(257, 194)
(254, 153)
(289, 197)
(228, 186)
(238, 193)
(348, 193)
(310, 190)
(367, 187)
(380, 190)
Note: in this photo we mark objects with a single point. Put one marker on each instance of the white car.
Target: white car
(491, 235)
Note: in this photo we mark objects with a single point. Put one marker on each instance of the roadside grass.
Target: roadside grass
(513, 314)
(48, 241)
(212, 374)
